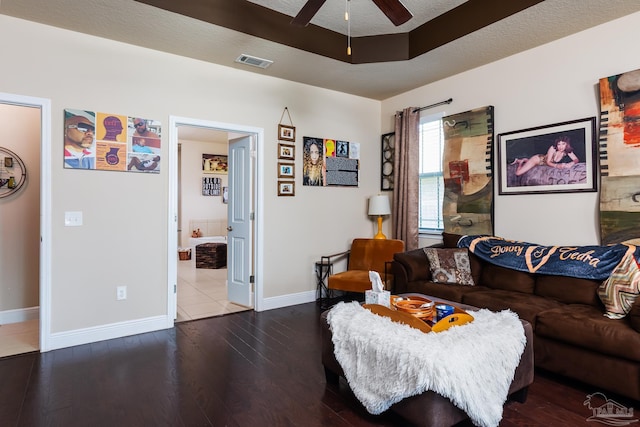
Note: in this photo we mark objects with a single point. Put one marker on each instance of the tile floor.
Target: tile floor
(17, 338)
(202, 293)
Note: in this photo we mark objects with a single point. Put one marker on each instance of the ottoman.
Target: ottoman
(211, 255)
(429, 408)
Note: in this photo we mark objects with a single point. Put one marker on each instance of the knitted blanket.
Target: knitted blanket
(587, 262)
(472, 365)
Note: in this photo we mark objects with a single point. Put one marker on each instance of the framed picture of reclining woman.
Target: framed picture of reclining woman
(557, 158)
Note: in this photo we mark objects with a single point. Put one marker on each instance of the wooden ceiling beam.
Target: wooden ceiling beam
(258, 21)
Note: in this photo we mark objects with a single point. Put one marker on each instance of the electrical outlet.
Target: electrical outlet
(121, 293)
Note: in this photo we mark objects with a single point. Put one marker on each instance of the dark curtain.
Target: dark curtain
(406, 170)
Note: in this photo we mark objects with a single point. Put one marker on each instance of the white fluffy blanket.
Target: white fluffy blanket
(471, 365)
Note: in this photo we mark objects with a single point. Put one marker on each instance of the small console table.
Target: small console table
(324, 269)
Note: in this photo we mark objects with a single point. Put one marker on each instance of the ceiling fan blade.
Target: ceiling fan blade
(307, 12)
(395, 11)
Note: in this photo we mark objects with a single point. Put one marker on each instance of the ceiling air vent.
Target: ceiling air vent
(253, 61)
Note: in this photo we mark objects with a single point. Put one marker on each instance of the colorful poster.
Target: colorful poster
(113, 142)
(111, 127)
(313, 162)
(79, 139)
(329, 162)
(467, 171)
(111, 156)
(619, 157)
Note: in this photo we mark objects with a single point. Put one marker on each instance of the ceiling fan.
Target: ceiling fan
(394, 9)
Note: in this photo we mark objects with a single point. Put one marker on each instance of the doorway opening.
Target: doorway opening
(24, 313)
(197, 290)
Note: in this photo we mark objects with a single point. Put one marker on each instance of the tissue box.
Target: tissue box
(373, 297)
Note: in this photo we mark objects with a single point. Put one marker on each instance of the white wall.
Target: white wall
(20, 213)
(549, 84)
(124, 237)
(195, 206)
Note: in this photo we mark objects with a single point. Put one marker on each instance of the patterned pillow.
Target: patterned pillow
(621, 289)
(450, 266)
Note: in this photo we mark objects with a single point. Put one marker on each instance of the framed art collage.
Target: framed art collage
(286, 157)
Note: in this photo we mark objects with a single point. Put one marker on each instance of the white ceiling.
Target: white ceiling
(139, 24)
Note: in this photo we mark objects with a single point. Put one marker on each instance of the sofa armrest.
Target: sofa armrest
(414, 263)
(327, 261)
(400, 281)
(634, 315)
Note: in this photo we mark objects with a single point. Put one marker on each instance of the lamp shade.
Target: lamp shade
(379, 205)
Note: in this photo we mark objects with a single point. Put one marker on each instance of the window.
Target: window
(431, 180)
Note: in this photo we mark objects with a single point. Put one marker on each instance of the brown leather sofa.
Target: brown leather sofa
(572, 337)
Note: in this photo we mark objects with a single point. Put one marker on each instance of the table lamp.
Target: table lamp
(378, 206)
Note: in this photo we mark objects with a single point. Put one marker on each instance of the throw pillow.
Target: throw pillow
(450, 266)
(620, 290)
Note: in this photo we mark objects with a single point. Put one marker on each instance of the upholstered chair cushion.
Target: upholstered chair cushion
(366, 255)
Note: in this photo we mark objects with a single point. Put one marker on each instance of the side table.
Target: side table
(324, 268)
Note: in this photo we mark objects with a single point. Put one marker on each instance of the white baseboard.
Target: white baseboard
(117, 330)
(287, 300)
(19, 315)
(106, 332)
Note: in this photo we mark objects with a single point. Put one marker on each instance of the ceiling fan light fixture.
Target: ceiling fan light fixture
(347, 12)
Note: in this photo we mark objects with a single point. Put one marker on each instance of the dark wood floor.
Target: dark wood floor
(243, 369)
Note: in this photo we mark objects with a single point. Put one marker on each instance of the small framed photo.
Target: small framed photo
(342, 149)
(286, 133)
(215, 163)
(286, 188)
(556, 158)
(8, 162)
(286, 152)
(286, 170)
(211, 186)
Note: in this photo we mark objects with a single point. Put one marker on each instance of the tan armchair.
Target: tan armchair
(365, 255)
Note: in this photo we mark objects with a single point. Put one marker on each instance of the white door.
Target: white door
(239, 223)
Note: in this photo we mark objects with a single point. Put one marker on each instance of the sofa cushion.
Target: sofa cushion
(621, 289)
(634, 316)
(450, 266)
(415, 263)
(527, 306)
(438, 290)
(585, 326)
(450, 240)
(496, 277)
(569, 290)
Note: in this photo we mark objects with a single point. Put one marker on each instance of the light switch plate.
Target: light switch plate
(72, 219)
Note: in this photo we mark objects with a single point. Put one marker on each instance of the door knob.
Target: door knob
(229, 228)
